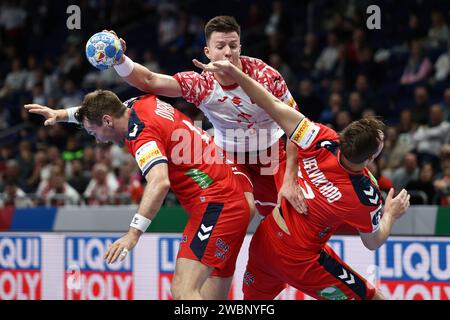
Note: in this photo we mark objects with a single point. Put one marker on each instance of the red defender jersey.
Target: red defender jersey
(159, 133)
(333, 194)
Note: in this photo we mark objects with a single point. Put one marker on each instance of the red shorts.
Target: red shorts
(274, 263)
(260, 174)
(214, 234)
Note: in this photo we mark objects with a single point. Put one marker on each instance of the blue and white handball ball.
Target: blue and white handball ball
(103, 50)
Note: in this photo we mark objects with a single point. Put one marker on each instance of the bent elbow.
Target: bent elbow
(164, 185)
(371, 246)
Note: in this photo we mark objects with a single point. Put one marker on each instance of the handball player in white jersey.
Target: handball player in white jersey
(250, 139)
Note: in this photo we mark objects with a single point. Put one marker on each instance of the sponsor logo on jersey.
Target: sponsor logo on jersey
(200, 177)
(332, 293)
(20, 268)
(147, 154)
(305, 133)
(89, 277)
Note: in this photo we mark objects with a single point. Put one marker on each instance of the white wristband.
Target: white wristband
(125, 68)
(71, 114)
(140, 222)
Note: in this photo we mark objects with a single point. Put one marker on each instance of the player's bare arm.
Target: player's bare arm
(158, 185)
(287, 118)
(147, 80)
(394, 208)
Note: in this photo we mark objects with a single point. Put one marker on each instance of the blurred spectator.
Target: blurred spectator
(88, 158)
(102, 187)
(279, 22)
(38, 95)
(33, 73)
(364, 90)
(344, 68)
(40, 163)
(71, 96)
(406, 124)
(355, 106)
(310, 103)
(328, 56)
(12, 20)
(442, 65)
(328, 116)
(394, 150)
(25, 162)
(343, 119)
(445, 104)
(418, 65)
(277, 62)
(415, 30)
(438, 33)
(130, 182)
(79, 178)
(407, 172)
(15, 80)
(254, 23)
(442, 180)
(420, 111)
(423, 184)
(14, 196)
(55, 191)
(384, 183)
(119, 156)
(308, 54)
(167, 26)
(429, 139)
(13, 173)
(357, 45)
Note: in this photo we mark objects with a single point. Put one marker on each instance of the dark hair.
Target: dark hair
(361, 139)
(221, 24)
(98, 103)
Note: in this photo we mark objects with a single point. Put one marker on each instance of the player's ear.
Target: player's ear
(207, 53)
(107, 120)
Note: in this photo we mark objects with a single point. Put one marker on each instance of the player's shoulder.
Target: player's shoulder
(251, 64)
(135, 125)
(204, 76)
(366, 189)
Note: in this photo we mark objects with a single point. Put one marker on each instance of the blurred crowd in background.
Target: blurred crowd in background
(336, 68)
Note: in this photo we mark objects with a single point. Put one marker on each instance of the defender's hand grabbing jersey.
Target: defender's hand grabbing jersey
(302, 258)
(206, 188)
(240, 126)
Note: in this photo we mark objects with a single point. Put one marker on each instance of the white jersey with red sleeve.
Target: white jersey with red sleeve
(333, 194)
(158, 133)
(239, 124)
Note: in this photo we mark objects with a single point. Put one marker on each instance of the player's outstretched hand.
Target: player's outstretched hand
(122, 43)
(50, 115)
(121, 247)
(397, 206)
(293, 193)
(216, 66)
